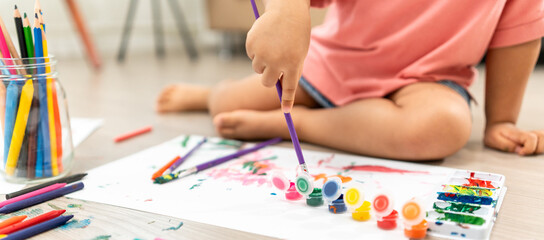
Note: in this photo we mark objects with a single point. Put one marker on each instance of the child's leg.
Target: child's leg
(419, 122)
(226, 96)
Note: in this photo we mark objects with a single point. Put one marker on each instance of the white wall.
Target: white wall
(105, 20)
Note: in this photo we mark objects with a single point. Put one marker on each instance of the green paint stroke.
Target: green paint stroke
(254, 166)
(54, 207)
(232, 143)
(174, 228)
(75, 206)
(460, 218)
(74, 224)
(456, 207)
(102, 237)
(185, 140)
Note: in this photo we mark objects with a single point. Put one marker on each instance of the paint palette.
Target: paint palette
(467, 205)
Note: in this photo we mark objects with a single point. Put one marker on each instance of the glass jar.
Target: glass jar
(36, 140)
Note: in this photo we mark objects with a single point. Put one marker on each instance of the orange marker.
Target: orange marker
(163, 169)
(132, 134)
(12, 220)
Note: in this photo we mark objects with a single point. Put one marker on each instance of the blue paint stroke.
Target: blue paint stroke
(455, 197)
(74, 224)
(174, 228)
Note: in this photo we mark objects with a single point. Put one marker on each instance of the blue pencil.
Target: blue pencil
(43, 128)
(41, 198)
(39, 228)
(12, 101)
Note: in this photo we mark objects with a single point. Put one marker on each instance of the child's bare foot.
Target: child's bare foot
(251, 124)
(183, 97)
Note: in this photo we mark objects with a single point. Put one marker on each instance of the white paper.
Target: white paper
(232, 196)
(81, 128)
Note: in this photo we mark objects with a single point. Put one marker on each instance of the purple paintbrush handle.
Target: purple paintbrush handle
(181, 160)
(218, 161)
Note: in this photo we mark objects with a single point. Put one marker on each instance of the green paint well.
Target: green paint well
(457, 207)
(465, 219)
(174, 228)
(315, 198)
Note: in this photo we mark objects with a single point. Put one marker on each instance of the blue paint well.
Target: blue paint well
(338, 205)
(330, 189)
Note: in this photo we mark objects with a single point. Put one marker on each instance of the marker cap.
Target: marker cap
(304, 183)
(332, 189)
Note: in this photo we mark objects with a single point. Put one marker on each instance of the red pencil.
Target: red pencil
(159, 172)
(31, 222)
(11, 221)
(132, 134)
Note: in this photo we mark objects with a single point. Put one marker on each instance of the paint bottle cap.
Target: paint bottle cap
(413, 212)
(354, 196)
(304, 183)
(383, 204)
(279, 180)
(332, 189)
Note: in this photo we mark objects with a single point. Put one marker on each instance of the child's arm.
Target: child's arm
(507, 72)
(278, 43)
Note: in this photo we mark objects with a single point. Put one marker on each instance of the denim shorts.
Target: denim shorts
(326, 103)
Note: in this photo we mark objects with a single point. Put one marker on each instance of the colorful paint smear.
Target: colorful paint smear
(455, 197)
(471, 191)
(197, 184)
(75, 206)
(460, 218)
(231, 143)
(326, 160)
(382, 169)
(174, 228)
(474, 182)
(324, 177)
(456, 207)
(250, 170)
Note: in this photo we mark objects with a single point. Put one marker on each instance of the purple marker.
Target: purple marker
(288, 119)
(182, 159)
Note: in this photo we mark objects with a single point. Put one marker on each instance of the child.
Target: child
(380, 78)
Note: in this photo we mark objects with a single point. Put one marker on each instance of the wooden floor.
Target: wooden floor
(124, 95)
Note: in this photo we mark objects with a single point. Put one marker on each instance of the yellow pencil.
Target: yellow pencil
(20, 126)
(49, 87)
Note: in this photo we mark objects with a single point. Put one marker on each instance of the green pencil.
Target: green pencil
(28, 37)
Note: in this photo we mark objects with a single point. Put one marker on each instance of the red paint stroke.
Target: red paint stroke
(148, 200)
(474, 182)
(375, 168)
(326, 160)
(323, 176)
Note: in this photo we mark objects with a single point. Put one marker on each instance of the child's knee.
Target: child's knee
(437, 136)
(220, 99)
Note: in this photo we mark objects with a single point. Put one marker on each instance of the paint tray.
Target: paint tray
(466, 206)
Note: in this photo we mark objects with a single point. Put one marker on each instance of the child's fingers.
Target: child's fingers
(289, 85)
(258, 65)
(500, 142)
(270, 77)
(540, 145)
(527, 140)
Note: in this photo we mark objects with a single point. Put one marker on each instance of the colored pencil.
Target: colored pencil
(51, 112)
(184, 158)
(288, 119)
(40, 18)
(31, 222)
(43, 129)
(4, 37)
(39, 228)
(133, 134)
(159, 172)
(33, 193)
(33, 168)
(12, 207)
(9, 43)
(20, 127)
(12, 97)
(206, 165)
(20, 32)
(68, 179)
(12, 220)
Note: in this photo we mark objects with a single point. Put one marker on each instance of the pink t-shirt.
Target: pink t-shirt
(370, 48)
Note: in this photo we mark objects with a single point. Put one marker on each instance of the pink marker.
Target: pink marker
(33, 193)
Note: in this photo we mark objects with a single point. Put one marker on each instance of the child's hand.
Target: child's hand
(507, 137)
(278, 43)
